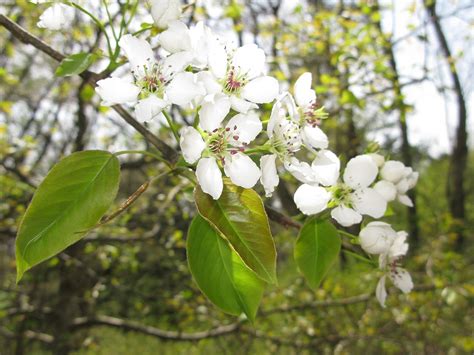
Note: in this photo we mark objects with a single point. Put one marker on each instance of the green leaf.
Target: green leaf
(75, 64)
(72, 198)
(316, 249)
(220, 273)
(240, 217)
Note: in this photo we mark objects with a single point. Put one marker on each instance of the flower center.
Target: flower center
(287, 138)
(342, 194)
(152, 81)
(313, 114)
(234, 81)
(219, 142)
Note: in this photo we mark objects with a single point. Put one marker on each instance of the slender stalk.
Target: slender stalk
(347, 234)
(170, 123)
(98, 23)
(144, 152)
(359, 257)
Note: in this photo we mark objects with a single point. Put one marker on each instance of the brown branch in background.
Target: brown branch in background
(85, 322)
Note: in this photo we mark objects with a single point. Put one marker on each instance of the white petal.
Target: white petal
(369, 202)
(386, 189)
(392, 171)
(378, 159)
(184, 88)
(346, 216)
(242, 170)
(217, 59)
(213, 110)
(361, 171)
(402, 279)
(261, 90)
(175, 63)
(304, 95)
(381, 292)
(275, 118)
(269, 178)
(315, 137)
(412, 179)
(301, 171)
(326, 167)
(210, 177)
(241, 105)
(377, 237)
(139, 53)
(245, 126)
(402, 186)
(116, 91)
(404, 199)
(249, 60)
(399, 246)
(56, 17)
(165, 11)
(149, 108)
(210, 83)
(311, 199)
(176, 38)
(191, 144)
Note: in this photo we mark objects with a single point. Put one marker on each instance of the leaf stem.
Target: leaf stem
(347, 234)
(144, 152)
(359, 257)
(170, 123)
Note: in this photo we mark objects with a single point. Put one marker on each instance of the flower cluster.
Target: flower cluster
(224, 86)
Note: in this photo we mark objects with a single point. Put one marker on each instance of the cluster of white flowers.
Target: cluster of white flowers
(224, 85)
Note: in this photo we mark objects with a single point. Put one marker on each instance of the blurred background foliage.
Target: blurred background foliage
(125, 285)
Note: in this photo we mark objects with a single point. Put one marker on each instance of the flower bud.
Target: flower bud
(165, 11)
(377, 237)
(393, 171)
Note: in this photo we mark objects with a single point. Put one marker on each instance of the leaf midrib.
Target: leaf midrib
(47, 228)
(241, 239)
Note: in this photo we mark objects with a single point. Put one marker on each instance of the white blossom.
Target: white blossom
(224, 145)
(165, 11)
(56, 17)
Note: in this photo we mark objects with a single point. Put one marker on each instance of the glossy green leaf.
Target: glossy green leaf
(72, 198)
(220, 273)
(239, 215)
(75, 64)
(316, 249)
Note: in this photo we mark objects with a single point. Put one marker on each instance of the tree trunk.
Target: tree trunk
(399, 104)
(458, 161)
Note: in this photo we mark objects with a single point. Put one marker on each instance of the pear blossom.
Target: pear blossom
(56, 17)
(309, 113)
(380, 238)
(157, 84)
(165, 11)
(239, 75)
(194, 44)
(397, 179)
(354, 197)
(286, 139)
(225, 146)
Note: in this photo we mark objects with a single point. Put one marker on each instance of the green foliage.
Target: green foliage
(239, 215)
(316, 249)
(220, 272)
(71, 199)
(75, 64)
